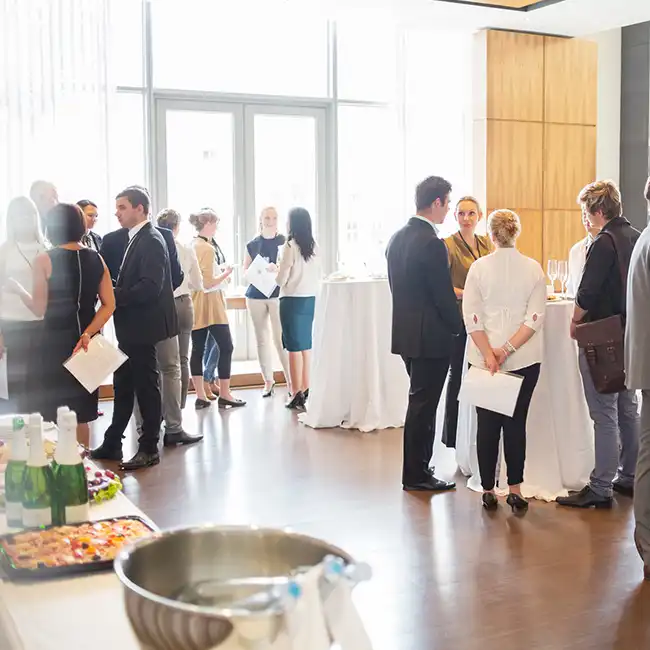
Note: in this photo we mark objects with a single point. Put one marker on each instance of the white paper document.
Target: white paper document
(4, 382)
(260, 277)
(498, 392)
(91, 369)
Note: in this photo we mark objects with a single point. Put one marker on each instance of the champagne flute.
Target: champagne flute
(563, 275)
(552, 272)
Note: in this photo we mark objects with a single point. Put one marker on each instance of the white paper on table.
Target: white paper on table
(343, 620)
(260, 277)
(4, 382)
(498, 392)
(92, 368)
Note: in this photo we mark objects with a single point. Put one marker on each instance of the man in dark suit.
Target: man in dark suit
(425, 320)
(145, 314)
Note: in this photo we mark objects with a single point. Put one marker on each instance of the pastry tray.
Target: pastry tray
(44, 573)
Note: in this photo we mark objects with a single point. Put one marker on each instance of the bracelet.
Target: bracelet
(86, 334)
(509, 348)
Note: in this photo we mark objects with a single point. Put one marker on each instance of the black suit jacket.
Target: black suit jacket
(144, 297)
(97, 239)
(425, 311)
(113, 245)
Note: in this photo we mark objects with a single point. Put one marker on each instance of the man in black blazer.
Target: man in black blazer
(144, 315)
(426, 318)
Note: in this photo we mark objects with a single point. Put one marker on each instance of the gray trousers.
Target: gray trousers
(170, 372)
(642, 483)
(185, 312)
(616, 433)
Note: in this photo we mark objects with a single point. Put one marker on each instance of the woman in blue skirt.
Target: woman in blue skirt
(298, 278)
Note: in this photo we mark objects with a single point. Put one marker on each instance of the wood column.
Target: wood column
(535, 108)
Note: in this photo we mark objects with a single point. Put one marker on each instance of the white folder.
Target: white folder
(498, 392)
(92, 368)
(260, 277)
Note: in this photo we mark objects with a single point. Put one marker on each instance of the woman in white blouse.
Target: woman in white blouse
(19, 327)
(503, 309)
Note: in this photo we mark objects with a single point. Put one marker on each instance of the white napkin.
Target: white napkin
(343, 620)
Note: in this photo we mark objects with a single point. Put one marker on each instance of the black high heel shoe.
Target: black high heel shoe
(269, 392)
(297, 401)
(518, 504)
(489, 501)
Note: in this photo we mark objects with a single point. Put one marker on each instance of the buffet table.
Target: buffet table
(356, 382)
(560, 440)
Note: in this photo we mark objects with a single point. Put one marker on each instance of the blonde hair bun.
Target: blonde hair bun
(505, 227)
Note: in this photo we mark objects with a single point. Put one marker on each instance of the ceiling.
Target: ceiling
(514, 5)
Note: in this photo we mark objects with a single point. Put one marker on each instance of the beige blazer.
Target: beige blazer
(209, 308)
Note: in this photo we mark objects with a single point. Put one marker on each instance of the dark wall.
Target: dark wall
(635, 121)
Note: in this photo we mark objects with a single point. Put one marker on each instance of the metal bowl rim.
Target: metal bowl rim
(213, 612)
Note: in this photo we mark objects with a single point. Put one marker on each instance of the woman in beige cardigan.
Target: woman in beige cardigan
(210, 316)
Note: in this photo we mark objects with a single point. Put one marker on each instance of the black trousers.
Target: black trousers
(21, 339)
(223, 339)
(453, 387)
(488, 435)
(138, 376)
(427, 381)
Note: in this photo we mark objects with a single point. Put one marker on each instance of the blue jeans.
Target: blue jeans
(210, 359)
(616, 433)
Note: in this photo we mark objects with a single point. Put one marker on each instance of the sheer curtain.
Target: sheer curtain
(54, 96)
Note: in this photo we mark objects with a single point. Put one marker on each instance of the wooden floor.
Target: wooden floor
(447, 575)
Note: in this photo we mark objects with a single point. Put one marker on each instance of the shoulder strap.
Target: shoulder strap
(623, 269)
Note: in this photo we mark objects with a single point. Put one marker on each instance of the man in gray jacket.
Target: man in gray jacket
(637, 369)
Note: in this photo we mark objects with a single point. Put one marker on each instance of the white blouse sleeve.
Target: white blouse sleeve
(286, 262)
(537, 303)
(195, 278)
(472, 301)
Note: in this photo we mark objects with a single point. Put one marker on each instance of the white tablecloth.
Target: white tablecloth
(356, 382)
(560, 441)
(71, 613)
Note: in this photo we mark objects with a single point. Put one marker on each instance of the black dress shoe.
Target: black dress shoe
(200, 404)
(105, 452)
(586, 498)
(141, 460)
(230, 403)
(432, 484)
(180, 438)
(489, 501)
(621, 488)
(297, 401)
(518, 504)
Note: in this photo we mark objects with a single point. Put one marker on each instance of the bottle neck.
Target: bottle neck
(19, 449)
(67, 452)
(37, 457)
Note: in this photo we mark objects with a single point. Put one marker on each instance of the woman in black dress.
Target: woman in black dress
(68, 281)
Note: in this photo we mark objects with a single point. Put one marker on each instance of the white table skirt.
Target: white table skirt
(356, 383)
(560, 440)
(68, 613)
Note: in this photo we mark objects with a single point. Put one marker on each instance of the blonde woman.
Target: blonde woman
(19, 327)
(262, 308)
(210, 316)
(503, 307)
(464, 247)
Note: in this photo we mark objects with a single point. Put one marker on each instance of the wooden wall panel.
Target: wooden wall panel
(514, 164)
(569, 163)
(515, 76)
(571, 81)
(562, 229)
(530, 240)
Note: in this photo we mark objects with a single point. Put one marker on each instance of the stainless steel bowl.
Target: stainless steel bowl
(158, 572)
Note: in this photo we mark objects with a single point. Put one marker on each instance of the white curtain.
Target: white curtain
(54, 95)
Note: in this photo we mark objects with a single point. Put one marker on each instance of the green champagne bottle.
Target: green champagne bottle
(14, 474)
(60, 414)
(70, 475)
(38, 483)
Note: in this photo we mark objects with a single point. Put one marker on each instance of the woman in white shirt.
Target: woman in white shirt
(578, 256)
(19, 327)
(192, 281)
(503, 309)
(298, 278)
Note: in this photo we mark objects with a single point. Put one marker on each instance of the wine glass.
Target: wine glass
(552, 272)
(563, 275)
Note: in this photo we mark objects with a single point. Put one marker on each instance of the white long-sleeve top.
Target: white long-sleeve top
(504, 291)
(17, 262)
(577, 259)
(297, 277)
(192, 280)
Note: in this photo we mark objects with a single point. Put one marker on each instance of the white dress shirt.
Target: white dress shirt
(192, 280)
(504, 291)
(297, 277)
(136, 229)
(577, 258)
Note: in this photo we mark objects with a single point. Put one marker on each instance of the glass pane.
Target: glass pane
(367, 57)
(200, 170)
(198, 45)
(126, 50)
(285, 164)
(369, 184)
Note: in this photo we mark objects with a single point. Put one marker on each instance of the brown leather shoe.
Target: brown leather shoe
(208, 391)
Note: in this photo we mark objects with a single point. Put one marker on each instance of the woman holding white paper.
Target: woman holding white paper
(503, 309)
(67, 282)
(264, 309)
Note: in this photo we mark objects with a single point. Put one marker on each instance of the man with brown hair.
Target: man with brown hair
(637, 376)
(601, 294)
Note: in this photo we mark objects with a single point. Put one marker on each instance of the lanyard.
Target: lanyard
(469, 248)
